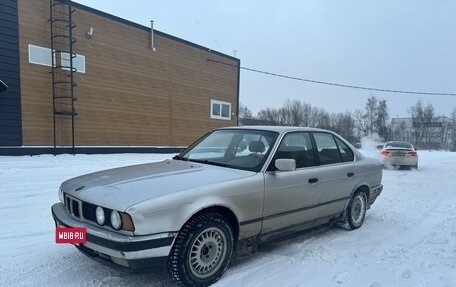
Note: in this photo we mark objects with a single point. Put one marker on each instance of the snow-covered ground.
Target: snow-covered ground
(408, 238)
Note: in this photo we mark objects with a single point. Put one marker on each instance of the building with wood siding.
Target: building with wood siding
(126, 92)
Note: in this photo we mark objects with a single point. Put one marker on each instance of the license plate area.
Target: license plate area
(72, 235)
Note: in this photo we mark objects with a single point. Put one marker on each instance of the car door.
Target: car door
(336, 174)
(291, 197)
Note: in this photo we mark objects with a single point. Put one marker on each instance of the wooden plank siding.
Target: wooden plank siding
(129, 95)
(10, 104)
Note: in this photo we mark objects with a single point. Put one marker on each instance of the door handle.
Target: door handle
(313, 180)
(350, 174)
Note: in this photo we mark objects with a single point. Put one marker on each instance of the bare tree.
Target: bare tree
(372, 114)
(269, 116)
(292, 113)
(374, 118)
(246, 116)
(360, 123)
(344, 124)
(320, 119)
(306, 114)
(422, 123)
(382, 126)
(245, 112)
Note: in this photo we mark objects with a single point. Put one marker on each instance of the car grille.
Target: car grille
(72, 205)
(82, 209)
(79, 208)
(88, 211)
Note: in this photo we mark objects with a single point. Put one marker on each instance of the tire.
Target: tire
(355, 213)
(202, 250)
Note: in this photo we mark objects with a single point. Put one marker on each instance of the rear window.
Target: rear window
(345, 152)
(399, 144)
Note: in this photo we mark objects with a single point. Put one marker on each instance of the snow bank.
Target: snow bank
(408, 239)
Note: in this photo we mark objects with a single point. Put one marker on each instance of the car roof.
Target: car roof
(279, 129)
(396, 142)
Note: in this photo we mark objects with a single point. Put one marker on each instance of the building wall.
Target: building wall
(10, 104)
(436, 133)
(129, 95)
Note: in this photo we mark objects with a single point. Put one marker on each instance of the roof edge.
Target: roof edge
(147, 29)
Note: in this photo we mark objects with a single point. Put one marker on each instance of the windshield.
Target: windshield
(237, 148)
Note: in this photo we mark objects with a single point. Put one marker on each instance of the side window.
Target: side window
(345, 152)
(296, 146)
(327, 148)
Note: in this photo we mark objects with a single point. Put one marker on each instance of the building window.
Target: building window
(220, 110)
(40, 55)
(78, 62)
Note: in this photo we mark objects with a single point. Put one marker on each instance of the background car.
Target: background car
(399, 154)
(228, 192)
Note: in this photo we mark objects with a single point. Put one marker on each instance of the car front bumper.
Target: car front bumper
(130, 253)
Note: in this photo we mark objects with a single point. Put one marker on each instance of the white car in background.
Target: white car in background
(399, 154)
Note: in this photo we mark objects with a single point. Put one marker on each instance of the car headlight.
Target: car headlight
(116, 220)
(61, 194)
(100, 214)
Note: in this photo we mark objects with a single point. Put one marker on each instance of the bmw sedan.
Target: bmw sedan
(399, 154)
(231, 190)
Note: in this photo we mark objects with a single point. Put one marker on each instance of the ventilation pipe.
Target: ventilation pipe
(152, 45)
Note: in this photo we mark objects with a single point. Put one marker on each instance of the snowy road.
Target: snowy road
(408, 238)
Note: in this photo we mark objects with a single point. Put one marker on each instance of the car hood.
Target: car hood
(123, 187)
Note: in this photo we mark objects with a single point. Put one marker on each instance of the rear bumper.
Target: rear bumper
(129, 253)
(374, 192)
(400, 161)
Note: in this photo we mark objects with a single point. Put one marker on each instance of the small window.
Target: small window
(345, 152)
(40, 55)
(78, 62)
(220, 110)
(216, 109)
(327, 148)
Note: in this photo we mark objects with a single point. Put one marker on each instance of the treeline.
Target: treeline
(352, 125)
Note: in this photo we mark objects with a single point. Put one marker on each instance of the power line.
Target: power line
(334, 84)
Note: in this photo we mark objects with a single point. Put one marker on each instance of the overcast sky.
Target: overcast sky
(389, 44)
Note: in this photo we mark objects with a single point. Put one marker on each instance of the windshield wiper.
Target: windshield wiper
(213, 163)
(178, 157)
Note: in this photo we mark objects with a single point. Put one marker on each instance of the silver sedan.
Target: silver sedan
(228, 192)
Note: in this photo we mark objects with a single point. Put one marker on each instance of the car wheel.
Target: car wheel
(202, 250)
(354, 214)
(415, 166)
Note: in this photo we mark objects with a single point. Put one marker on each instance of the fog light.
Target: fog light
(116, 221)
(99, 212)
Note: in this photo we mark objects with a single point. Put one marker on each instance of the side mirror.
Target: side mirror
(380, 146)
(285, 164)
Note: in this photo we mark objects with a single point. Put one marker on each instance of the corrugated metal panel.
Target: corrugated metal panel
(10, 101)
